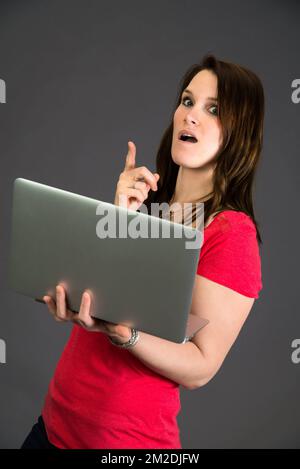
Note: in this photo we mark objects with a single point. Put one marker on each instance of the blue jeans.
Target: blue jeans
(37, 438)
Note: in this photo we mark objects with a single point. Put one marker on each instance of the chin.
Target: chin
(188, 161)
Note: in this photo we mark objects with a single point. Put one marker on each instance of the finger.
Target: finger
(148, 177)
(136, 194)
(51, 307)
(156, 175)
(108, 327)
(148, 185)
(130, 157)
(122, 199)
(134, 205)
(84, 316)
(50, 304)
(122, 331)
(61, 307)
(142, 186)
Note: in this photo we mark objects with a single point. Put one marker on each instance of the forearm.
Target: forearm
(182, 363)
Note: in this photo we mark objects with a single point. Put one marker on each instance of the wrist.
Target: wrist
(130, 342)
(120, 340)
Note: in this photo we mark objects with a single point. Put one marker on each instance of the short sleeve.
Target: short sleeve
(230, 254)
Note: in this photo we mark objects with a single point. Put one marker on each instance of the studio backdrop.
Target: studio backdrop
(78, 80)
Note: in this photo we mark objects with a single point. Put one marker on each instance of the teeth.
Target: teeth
(188, 135)
(184, 137)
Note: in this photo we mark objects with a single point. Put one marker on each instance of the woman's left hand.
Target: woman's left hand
(60, 312)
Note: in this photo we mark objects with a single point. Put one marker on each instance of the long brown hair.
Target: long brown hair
(241, 114)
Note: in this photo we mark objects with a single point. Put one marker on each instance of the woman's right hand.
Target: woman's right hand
(61, 313)
(134, 183)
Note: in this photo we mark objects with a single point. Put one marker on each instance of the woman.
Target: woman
(103, 395)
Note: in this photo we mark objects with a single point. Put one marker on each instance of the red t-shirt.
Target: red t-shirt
(102, 396)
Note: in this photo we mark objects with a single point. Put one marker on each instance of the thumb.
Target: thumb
(130, 157)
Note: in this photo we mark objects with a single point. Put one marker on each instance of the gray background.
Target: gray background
(83, 78)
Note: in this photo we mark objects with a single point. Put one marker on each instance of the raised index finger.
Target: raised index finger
(130, 157)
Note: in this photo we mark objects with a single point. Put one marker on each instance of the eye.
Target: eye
(214, 113)
(216, 107)
(185, 98)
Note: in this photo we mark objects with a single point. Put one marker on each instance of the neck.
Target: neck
(193, 185)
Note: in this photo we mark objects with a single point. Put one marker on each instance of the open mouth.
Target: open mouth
(188, 139)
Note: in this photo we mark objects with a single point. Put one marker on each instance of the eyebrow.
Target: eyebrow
(190, 92)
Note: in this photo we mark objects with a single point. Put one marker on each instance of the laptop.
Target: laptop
(144, 281)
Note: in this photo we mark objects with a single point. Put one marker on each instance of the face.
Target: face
(198, 114)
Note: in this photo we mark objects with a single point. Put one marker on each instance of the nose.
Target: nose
(191, 119)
